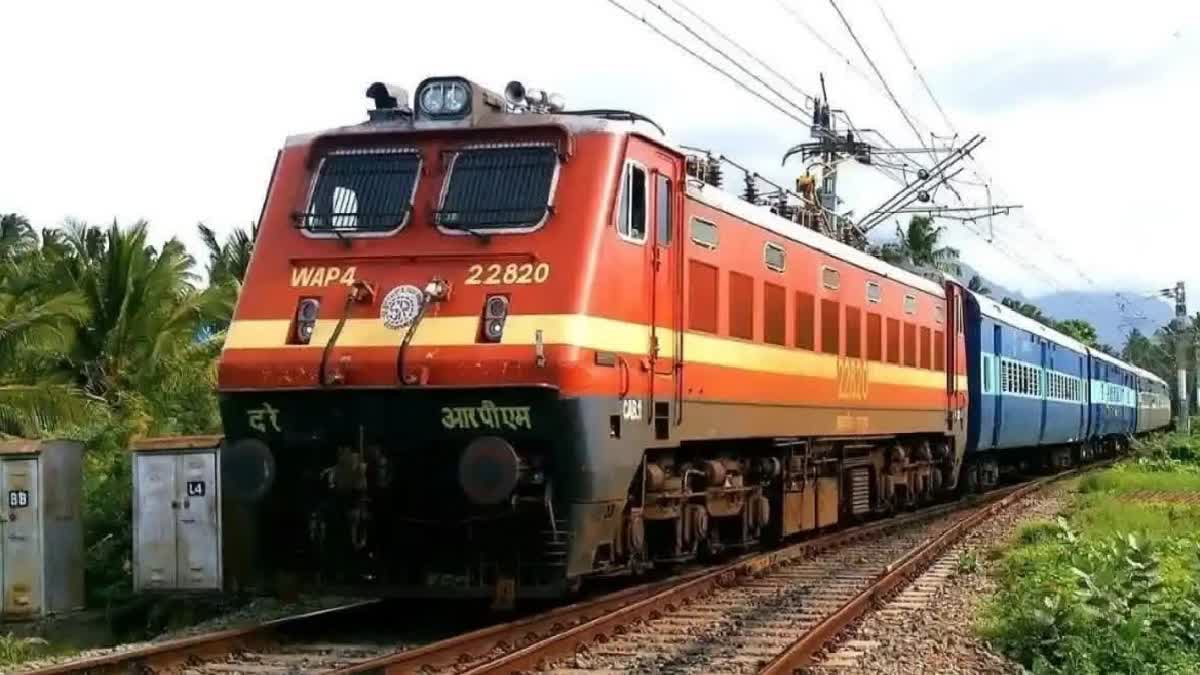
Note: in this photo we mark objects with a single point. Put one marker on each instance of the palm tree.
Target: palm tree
(143, 303)
(16, 236)
(917, 246)
(978, 285)
(228, 261)
(38, 318)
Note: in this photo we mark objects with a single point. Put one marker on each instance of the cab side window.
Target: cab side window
(662, 191)
(632, 221)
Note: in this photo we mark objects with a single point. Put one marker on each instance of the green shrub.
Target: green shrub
(14, 650)
(1037, 532)
(1144, 475)
(968, 563)
(1077, 598)
(1169, 446)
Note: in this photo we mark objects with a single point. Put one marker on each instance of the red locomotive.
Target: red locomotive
(490, 346)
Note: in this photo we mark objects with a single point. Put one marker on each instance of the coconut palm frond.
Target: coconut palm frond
(32, 410)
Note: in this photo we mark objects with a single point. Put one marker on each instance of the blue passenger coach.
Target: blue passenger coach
(1027, 382)
(1154, 402)
(1113, 398)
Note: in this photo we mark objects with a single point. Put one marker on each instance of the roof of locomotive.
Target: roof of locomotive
(575, 124)
(763, 217)
(712, 196)
(994, 310)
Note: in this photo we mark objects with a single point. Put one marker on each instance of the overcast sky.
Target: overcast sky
(153, 110)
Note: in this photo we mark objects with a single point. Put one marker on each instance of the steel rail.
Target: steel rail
(532, 642)
(173, 655)
(910, 565)
(562, 632)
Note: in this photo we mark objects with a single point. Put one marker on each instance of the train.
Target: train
(488, 347)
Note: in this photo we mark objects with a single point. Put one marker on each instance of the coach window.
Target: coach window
(632, 225)
(662, 211)
(874, 292)
(939, 314)
(910, 304)
(774, 257)
(704, 233)
(831, 278)
(989, 382)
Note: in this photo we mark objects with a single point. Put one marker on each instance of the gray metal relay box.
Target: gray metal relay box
(41, 527)
(177, 538)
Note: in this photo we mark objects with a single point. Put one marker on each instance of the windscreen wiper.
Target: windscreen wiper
(482, 236)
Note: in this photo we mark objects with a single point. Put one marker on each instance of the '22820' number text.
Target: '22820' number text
(512, 273)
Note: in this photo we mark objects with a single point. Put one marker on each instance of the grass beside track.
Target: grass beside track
(1113, 587)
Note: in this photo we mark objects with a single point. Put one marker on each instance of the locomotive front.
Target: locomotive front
(393, 382)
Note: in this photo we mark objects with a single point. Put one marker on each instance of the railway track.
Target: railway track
(762, 612)
(311, 642)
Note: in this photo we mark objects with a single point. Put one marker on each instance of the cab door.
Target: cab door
(666, 287)
(956, 394)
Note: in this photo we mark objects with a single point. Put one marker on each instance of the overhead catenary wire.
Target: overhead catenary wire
(1018, 259)
(725, 36)
(805, 108)
(731, 77)
(882, 79)
(916, 70)
(1052, 247)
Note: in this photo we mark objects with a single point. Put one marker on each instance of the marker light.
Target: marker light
(495, 311)
(306, 320)
(440, 98)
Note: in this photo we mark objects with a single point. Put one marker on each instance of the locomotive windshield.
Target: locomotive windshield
(498, 188)
(359, 191)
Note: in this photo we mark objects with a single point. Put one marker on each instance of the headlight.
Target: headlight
(445, 97)
(306, 320)
(495, 311)
(307, 311)
(431, 99)
(455, 98)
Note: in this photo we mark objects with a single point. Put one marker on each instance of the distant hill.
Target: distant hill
(1100, 308)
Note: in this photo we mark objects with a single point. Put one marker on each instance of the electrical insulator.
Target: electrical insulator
(750, 194)
(712, 172)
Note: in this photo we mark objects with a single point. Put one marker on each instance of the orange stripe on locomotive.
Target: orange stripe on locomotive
(743, 333)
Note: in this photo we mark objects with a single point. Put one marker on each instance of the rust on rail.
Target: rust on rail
(174, 655)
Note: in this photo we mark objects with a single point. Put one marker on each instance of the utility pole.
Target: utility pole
(1183, 421)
